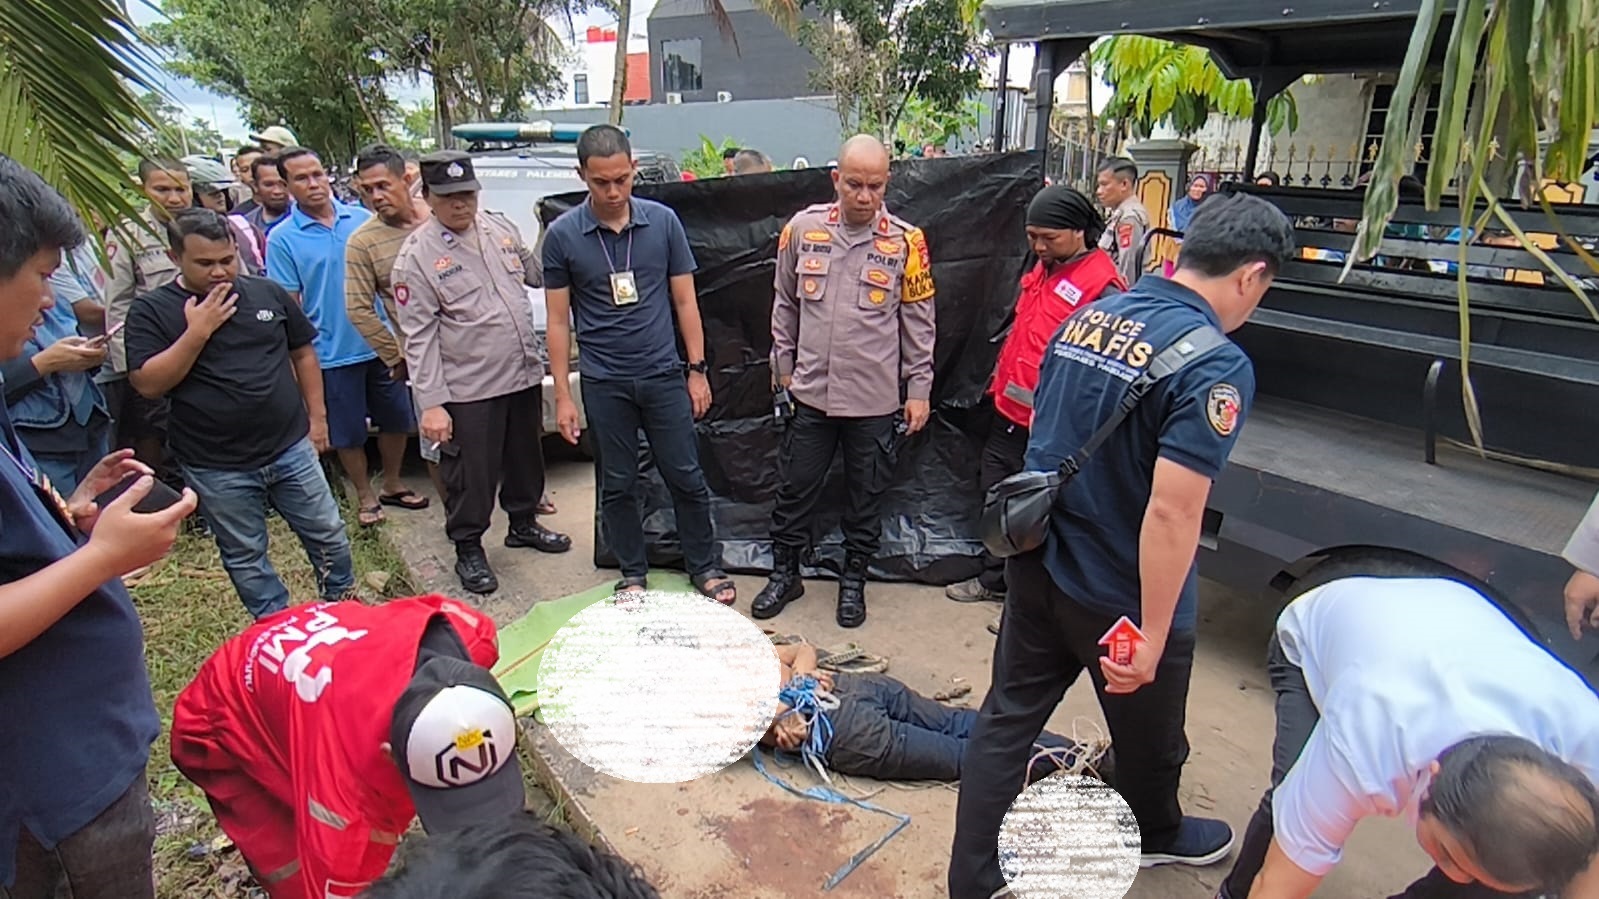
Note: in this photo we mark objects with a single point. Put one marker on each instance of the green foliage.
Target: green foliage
(169, 136)
(69, 70)
(1519, 85)
(925, 123)
(324, 67)
(705, 161)
(413, 128)
(1161, 82)
(877, 55)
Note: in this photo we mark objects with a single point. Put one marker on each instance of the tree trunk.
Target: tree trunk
(624, 15)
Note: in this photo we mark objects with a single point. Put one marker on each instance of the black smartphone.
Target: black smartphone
(160, 496)
(783, 405)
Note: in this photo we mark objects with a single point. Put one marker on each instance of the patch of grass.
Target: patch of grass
(189, 609)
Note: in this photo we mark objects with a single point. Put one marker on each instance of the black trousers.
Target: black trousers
(1296, 718)
(1046, 642)
(495, 447)
(109, 858)
(1004, 452)
(809, 442)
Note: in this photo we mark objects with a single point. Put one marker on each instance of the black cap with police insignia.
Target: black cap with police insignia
(449, 172)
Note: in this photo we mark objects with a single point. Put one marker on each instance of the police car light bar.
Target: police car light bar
(545, 131)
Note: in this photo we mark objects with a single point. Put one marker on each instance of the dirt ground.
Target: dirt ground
(735, 834)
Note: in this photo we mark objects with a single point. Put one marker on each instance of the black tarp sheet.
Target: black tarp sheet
(972, 210)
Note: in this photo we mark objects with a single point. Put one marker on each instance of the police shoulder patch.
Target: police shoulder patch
(1222, 408)
(918, 281)
(402, 294)
(783, 238)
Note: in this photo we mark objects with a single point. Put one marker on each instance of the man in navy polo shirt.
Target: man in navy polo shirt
(306, 256)
(623, 267)
(1122, 539)
(75, 703)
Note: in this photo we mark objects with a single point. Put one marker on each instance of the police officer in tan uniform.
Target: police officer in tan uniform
(139, 263)
(1126, 221)
(475, 364)
(852, 348)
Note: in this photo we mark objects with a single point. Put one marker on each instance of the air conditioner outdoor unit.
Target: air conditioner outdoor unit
(724, 97)
(674, 97)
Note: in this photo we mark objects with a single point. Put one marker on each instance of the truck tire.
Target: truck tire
(1395, 564)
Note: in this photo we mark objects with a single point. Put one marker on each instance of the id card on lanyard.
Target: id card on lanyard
(624, 289)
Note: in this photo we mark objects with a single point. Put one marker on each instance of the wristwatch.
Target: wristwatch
(700, 367)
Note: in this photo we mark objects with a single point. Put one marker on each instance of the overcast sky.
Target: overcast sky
(224, 113)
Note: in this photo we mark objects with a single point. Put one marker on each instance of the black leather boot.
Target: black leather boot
(852, 592)
(783, 586)
(472, 567)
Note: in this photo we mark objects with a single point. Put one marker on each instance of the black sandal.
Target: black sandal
(626, 585)
(724, 586)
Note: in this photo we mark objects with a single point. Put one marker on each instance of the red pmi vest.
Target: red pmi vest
(1046, 299)
(282, 728)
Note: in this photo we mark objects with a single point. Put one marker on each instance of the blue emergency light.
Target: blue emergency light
(544, 131)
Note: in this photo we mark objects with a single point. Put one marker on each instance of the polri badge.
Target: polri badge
(624, 291)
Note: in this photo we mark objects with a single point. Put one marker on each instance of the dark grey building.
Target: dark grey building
(690, 58)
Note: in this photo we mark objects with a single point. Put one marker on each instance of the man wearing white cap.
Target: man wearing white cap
(274, 139)
(319, 733)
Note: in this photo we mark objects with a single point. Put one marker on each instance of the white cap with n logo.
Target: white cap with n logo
(454, 736)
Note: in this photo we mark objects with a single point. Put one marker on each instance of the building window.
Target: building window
(680, 66)
(580, 89)
(1382, 96)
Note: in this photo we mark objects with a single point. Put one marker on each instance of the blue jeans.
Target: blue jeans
(235, 505)
(885, 730)
(617, 411)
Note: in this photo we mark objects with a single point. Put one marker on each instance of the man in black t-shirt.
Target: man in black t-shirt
(247, 424)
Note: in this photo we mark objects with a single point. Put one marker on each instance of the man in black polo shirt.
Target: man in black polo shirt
(76, 715)
(1122, 539)
(234, 354)
(622, 266)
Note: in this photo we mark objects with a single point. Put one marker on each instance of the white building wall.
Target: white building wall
(595, 61)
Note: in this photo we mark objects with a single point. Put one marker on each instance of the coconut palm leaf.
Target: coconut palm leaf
(1520, 86)
(70, 71)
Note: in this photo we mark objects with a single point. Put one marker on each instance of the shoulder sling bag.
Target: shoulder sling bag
(1016, 510)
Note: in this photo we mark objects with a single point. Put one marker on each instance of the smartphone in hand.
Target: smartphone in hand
(160, 496)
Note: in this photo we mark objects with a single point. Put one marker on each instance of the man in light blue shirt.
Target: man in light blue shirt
(306, 255)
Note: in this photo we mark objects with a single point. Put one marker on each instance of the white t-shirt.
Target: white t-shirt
(1402, 669)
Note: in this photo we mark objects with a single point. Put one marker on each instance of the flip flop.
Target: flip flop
(852, 660)
(370, 516)
(546, 507)
(724, 587)
(628, 584)
(405, 499)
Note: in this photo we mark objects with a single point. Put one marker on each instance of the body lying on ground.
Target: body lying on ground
(885, 730)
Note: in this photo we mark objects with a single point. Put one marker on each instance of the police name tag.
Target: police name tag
(624, 291)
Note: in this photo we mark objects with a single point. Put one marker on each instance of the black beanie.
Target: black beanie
(1059, 206)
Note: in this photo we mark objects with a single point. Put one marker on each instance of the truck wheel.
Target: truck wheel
(1395, 564)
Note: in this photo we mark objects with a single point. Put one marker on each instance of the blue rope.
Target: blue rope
(823, 794)
(800, 697)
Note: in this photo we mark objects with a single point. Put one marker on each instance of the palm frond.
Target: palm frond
(69, 72)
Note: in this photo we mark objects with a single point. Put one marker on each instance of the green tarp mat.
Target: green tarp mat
(522, 642)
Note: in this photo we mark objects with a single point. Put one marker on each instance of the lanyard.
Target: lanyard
(41, 486)
(599, 233)
(26, 469)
